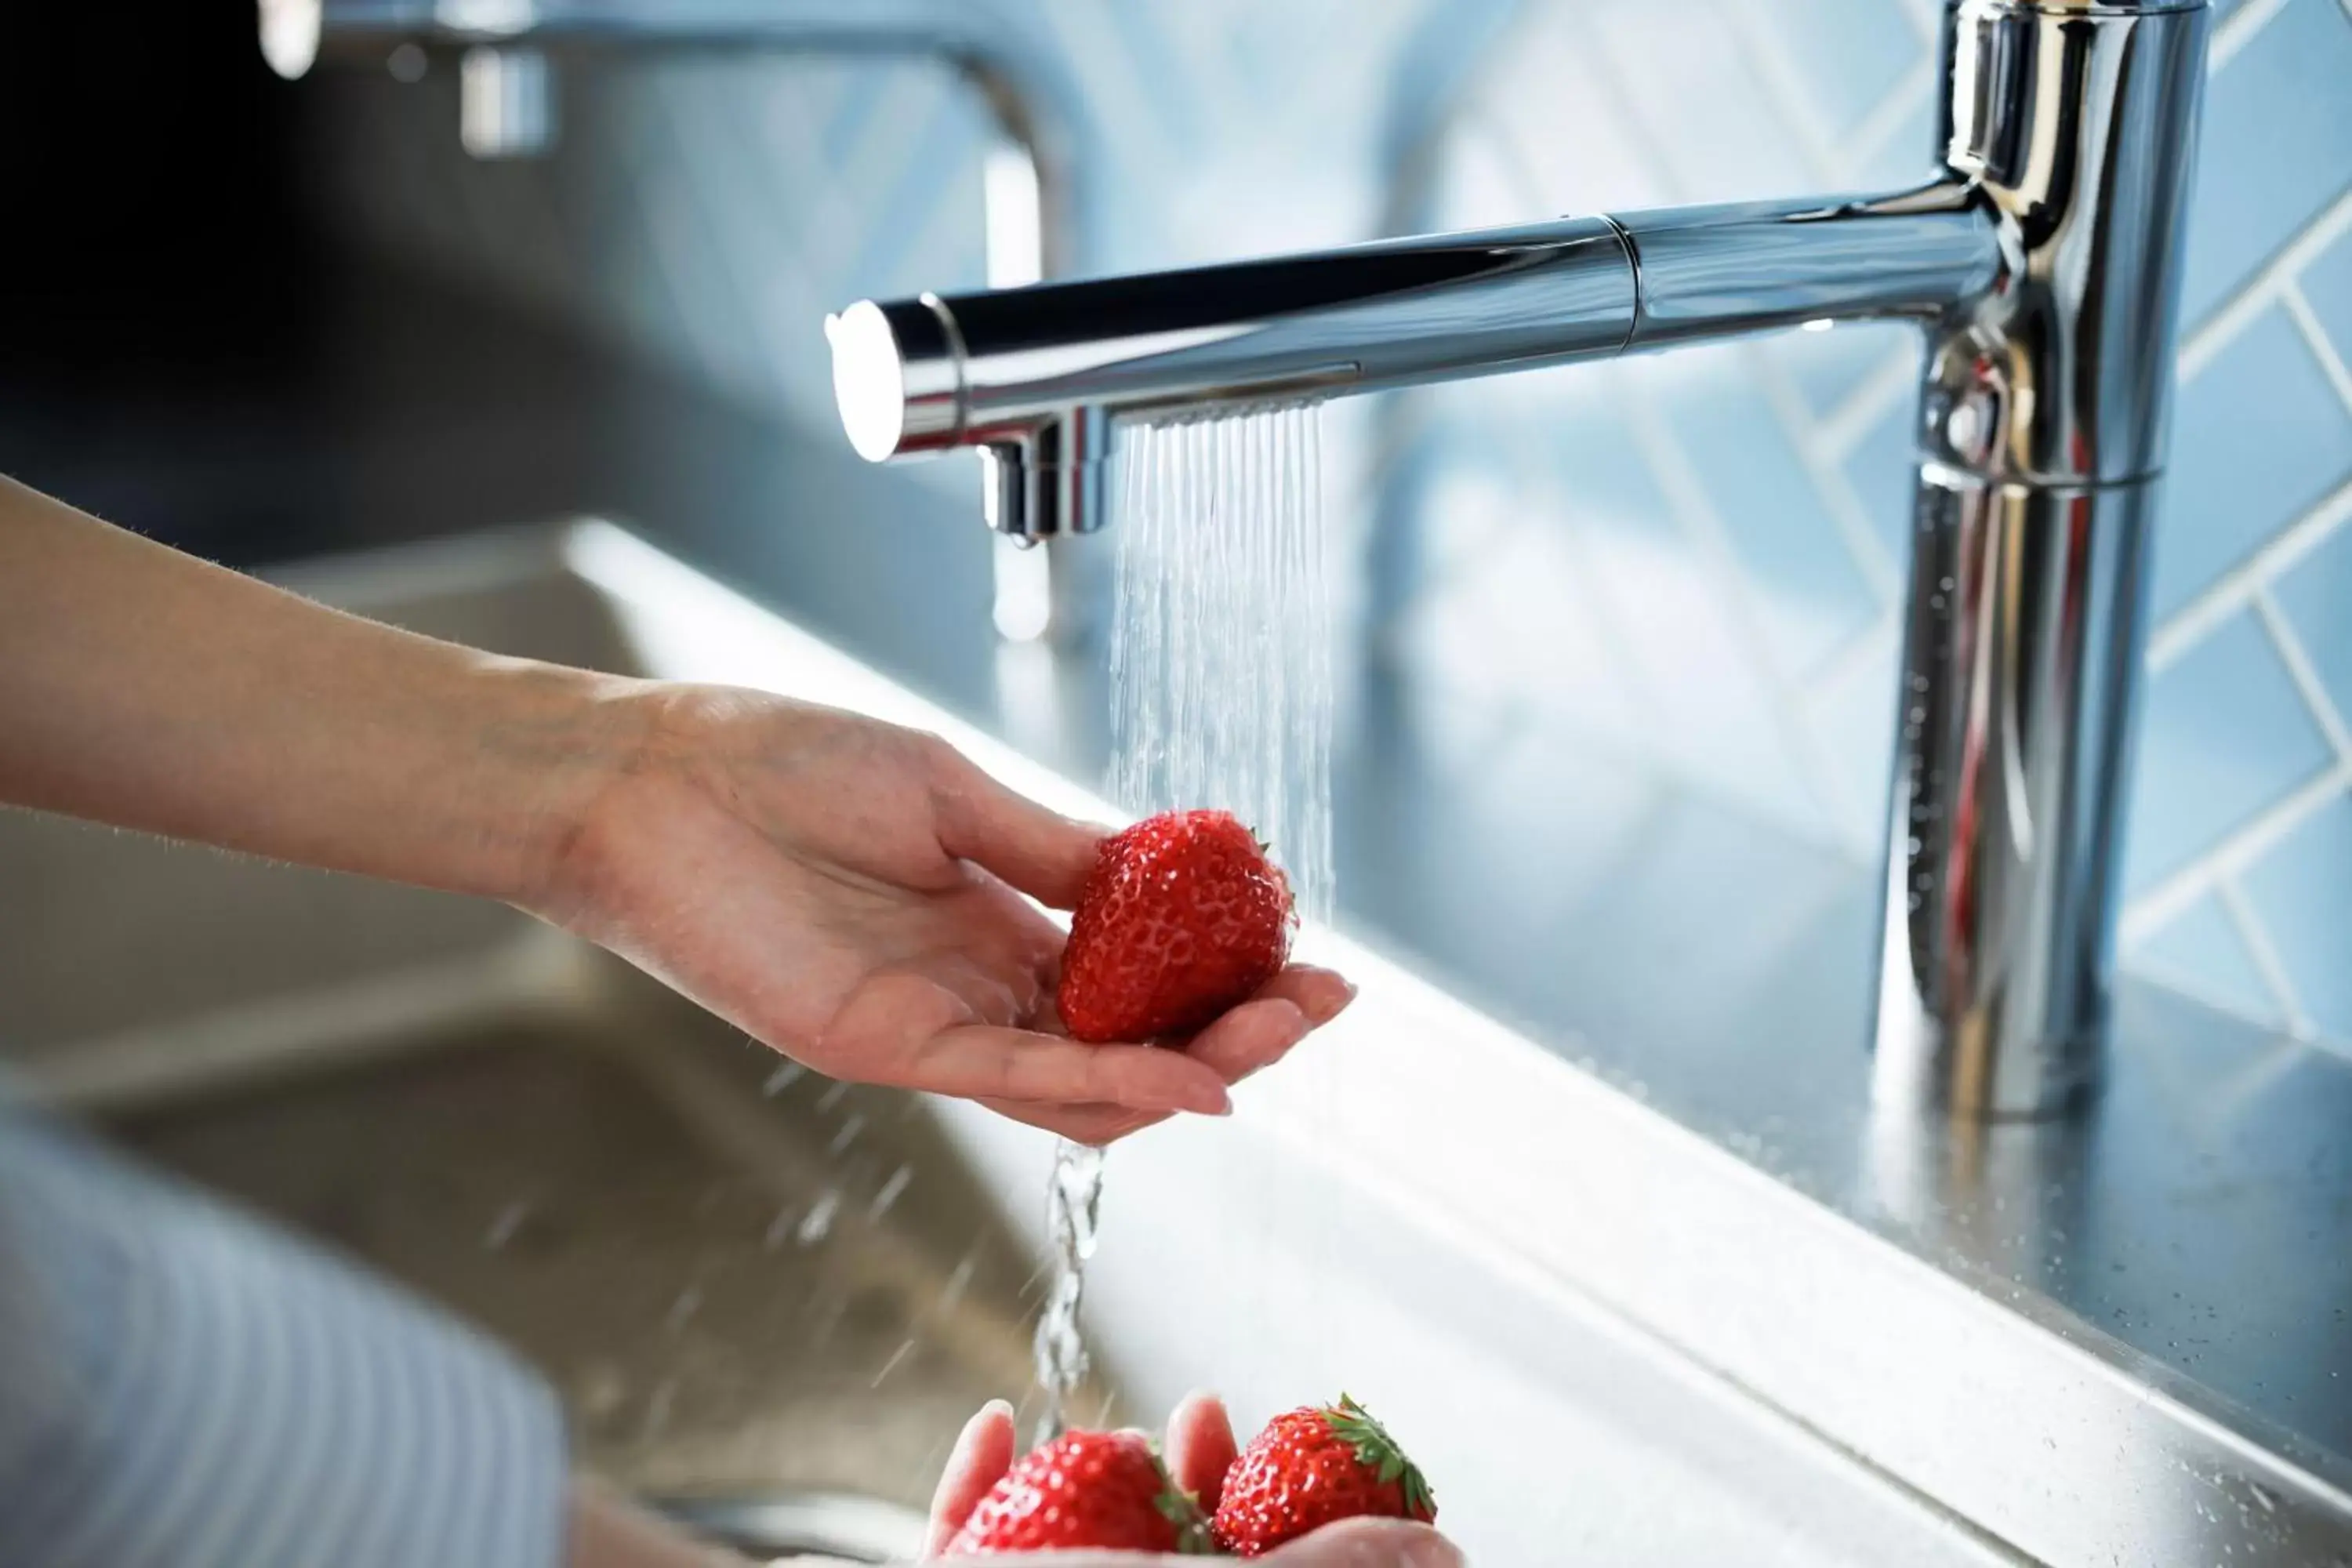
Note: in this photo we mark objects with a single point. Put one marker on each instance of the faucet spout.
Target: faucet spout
(1038, 377)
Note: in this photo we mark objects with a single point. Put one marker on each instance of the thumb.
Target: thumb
(1036, 849)
(1370, 1543)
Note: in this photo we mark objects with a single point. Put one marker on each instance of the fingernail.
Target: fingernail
(1210, 1100)
(969, 1438)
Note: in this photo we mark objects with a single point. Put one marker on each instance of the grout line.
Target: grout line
(2307, 684)
(2214, 333)
(1631, 112)
(1842, 428)
(1871, 134)
(1769, 64)
(1924, 19)
(2238, 29)
(2249, 842)
(1506, 146)
(2160, 972)
(2257, 937)
(2235, 589)
(2297, 306)
(1846, 512)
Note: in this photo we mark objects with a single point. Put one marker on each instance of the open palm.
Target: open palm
(851, 893)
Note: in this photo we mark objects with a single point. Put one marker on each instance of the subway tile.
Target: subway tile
(2200, 952)
(1683, 74)
(2257, 437)
(1708, 708)
(1519, 623)
(1813, 595)
(1549, 99)
(2317, 595)
(1908, 156)
(1597, 461)
(1851, 53)
(2223, 735)
(2277, 147)
(2328, 284)
(2303, 890)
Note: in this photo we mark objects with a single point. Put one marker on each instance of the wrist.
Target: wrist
(558, 744)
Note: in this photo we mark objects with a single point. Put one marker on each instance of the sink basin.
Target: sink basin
(750, 1282)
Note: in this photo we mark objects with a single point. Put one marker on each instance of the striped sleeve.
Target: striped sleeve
(181, 1385)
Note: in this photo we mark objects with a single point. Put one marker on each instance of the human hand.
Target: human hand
(849, 892)
(1200, 1450)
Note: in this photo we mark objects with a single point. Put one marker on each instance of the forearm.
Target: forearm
(143, 688)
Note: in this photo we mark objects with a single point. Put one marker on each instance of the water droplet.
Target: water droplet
(817, 1223)
(848, 1135)
(891, 1189)
(504, 1224)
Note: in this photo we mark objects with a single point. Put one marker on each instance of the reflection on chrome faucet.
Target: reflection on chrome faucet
(2043, 265)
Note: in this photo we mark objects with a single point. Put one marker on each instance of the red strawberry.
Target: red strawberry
(1310, 1468)
(1182, 917)
(1103, 1491)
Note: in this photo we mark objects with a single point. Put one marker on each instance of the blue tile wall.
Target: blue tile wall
(1730, 531)
(2261, 435)
(2304, 889)
(2278, 143)
(2243, 747)
(2316, 595)
(2224, 734)
(2201, 951)
(2327, 284)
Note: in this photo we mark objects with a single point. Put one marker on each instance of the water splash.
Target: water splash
(1074, 1214)
(1221, 666)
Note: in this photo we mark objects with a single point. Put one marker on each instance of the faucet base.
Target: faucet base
(2013, 747)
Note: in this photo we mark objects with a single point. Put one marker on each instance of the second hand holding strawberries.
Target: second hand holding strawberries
(1199, 1452)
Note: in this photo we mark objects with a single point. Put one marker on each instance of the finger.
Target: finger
(982, 1454)
(1369, 1543)
(1251, 1038)
(1092, 1124)
(1319, 994)
(1038, 850)
(1200, 1448)
(978, 1061)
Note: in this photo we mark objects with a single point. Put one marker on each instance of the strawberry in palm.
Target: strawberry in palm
(1310, 1468)
(1107, 1492)
(1182, 917)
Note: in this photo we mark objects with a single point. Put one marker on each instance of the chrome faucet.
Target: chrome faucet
(2043, 265)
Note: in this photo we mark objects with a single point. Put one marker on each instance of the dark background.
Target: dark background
(190, 349)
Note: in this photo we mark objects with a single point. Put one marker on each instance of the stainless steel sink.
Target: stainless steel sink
(771, 1301)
